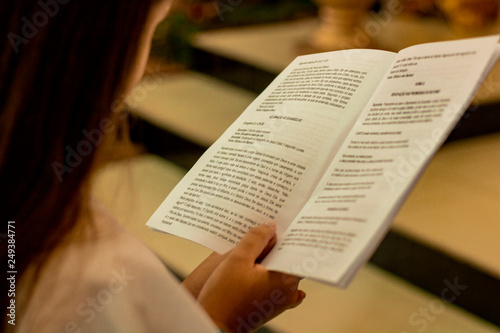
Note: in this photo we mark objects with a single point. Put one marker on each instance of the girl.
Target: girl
(64, 67)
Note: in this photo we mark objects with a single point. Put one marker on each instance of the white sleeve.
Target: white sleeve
(142, 296)
(145, 306)
(110, 282)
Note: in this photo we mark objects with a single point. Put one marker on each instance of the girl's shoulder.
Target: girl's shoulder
(111, 282)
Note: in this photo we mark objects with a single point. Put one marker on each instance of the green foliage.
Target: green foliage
(172, 39)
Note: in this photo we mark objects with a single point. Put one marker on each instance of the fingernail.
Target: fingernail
(270, 223)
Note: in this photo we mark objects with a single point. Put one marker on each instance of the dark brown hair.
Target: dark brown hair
(63, 64)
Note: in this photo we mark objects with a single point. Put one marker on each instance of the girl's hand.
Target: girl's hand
(240, 294)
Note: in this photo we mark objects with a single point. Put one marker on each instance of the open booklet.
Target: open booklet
(330, 150)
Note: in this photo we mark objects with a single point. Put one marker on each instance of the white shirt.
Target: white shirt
(112, 283)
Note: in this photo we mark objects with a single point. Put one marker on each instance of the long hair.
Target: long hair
(63, 64)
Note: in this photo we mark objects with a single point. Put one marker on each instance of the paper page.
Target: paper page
(267, 163)
(416, 106)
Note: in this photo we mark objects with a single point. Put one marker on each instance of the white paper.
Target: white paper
(268, 162)
(330, 150)
(412, 112)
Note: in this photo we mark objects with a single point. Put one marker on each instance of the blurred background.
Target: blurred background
(210, 59)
